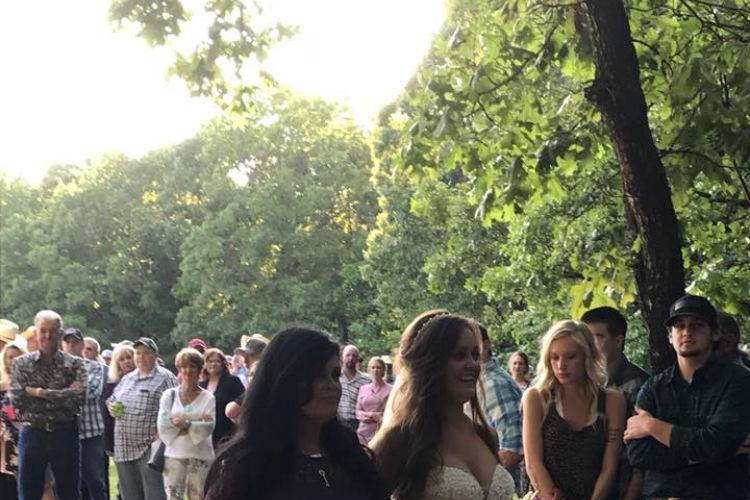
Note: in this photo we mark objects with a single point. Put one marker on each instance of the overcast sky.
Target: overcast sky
(73, 88)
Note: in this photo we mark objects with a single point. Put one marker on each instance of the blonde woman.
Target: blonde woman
(572, 425)
(371, 401)
(122, 363)
(9, 427)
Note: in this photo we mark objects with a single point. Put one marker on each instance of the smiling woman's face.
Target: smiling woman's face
(326, 391)
(462, 371)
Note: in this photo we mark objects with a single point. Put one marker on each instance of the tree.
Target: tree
(502, 98)
(283, 244)
(224, 65)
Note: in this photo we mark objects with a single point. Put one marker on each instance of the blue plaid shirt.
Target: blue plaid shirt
(502, 406)
(90, 421)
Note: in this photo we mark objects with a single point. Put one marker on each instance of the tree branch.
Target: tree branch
(690, 152)
(742, 181)
(520, 68)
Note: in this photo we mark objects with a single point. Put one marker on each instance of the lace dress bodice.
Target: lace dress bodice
(453, 483)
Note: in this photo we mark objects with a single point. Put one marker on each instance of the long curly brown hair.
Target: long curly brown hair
(416, 426)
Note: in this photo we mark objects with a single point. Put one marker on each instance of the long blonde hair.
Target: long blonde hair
(114, 365)
(5, 370)
(594, 370)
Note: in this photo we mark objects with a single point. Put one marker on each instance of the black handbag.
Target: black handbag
(156, 459)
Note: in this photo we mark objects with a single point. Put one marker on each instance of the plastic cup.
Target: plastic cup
(118, 409)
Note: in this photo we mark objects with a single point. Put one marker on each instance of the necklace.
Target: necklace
(316, 465)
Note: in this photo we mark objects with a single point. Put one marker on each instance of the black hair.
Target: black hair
(260, 455)
(616, 324)
(728, 324)
(485, 336)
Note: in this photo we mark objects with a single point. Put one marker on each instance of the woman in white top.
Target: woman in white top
(187, 415)
(429, 448)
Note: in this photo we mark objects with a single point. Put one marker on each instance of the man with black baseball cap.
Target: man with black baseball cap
(135, 406)
(90, 421)
(692, 417)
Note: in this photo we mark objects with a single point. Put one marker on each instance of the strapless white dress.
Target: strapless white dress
(453, 483)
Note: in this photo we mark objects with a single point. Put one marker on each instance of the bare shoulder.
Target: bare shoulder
(531, 397)
(390, 449)
(388, 442)
(615, 403)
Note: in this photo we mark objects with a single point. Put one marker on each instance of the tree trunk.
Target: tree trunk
(617, 94)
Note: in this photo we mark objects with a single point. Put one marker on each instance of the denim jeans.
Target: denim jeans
(138, 481)
(60, 450)
(93, 472)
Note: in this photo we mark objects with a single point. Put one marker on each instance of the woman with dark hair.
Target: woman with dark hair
(225, 388)
(429, 448)
(289, 444)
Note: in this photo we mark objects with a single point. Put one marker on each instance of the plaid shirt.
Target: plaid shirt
(710, 418)
(349, 392)
(502, 406)
(91, 422)
(136, 429)
(62, 403)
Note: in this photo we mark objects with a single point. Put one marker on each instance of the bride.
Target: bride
(429, 448)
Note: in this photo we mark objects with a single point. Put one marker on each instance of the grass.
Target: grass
(112, 479)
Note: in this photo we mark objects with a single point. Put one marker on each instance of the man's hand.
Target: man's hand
(639, 425)
(509, 459)
(36, 392)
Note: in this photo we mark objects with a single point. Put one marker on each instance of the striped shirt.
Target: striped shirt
(140, 395)
(349, 392)
(91, 422)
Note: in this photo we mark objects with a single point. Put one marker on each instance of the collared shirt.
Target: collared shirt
(61, 403)
(136, 429)
(710, 418)
(502, 405)
(91, 422)
(349, 392)
(628, 379)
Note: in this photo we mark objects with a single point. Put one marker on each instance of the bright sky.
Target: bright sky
(74, 89)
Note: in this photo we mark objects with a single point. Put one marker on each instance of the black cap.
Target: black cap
(691, 305)
(148, 343)
(72, 332)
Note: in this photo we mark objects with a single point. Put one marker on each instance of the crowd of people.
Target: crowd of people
(296, 418)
